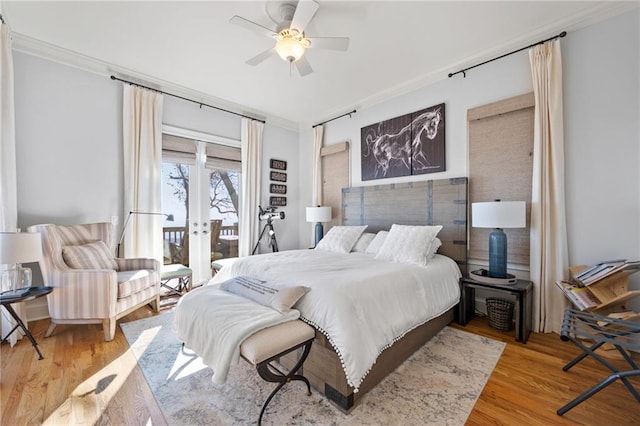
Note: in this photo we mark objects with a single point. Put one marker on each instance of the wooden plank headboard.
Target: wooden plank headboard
(433, 202)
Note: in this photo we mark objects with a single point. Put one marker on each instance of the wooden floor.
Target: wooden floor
(84, 380)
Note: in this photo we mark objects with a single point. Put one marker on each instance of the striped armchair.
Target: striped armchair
(90, 285)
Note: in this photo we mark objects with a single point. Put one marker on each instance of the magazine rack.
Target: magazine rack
(611, 292)
(624, 335)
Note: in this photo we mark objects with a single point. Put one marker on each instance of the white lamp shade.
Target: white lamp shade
(20, 247)
(318, 214)
(499, 214)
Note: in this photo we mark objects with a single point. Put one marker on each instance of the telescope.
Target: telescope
(269, 214)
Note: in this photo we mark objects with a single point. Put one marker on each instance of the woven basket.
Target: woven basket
(500, 313)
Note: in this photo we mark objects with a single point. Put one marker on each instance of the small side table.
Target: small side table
(522, 289)
(34, 293)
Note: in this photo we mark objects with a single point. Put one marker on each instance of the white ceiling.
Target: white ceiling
(191, 47)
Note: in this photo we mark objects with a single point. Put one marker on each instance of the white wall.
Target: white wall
(69, 146)
(602, 136)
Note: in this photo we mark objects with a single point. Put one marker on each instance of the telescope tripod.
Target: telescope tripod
(273, 243)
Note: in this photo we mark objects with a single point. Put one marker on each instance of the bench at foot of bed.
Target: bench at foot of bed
(269, 344)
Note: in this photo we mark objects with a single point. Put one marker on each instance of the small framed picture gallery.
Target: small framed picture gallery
(278, 164)
(276, 188)
(278, 176)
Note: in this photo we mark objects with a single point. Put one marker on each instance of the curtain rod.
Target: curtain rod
(562, 34)
(2, 19)
(334, 118)
(186, 99)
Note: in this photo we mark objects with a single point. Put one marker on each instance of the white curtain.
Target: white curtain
(316, 190)
(8, 174)
(142, 141)
(549, 259)
(251, 152)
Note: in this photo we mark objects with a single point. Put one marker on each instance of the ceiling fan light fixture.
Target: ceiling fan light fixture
(290, 49)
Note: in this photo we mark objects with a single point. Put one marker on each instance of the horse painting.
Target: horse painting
(390, 151)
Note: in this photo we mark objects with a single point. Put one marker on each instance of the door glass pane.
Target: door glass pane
(175, 206)
(223, 202)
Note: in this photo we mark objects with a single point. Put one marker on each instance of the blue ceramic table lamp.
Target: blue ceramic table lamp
(498, 215)
(319, 214)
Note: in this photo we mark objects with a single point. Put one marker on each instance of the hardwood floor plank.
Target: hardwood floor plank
(85, 380)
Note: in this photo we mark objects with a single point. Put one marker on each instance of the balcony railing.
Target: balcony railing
(175, 252)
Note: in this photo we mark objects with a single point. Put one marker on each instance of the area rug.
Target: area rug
(439, 384)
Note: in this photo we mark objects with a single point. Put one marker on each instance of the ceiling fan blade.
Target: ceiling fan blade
(252, 26)
(303, 66)
(303, 14)
(261, 57)
(331, 43)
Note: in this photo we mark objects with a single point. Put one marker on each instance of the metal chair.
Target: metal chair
(624, 335)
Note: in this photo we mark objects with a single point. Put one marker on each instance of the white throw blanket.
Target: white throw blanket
(213, 323)
(363, 305)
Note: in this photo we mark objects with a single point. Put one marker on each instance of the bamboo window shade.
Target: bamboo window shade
(500, 167)
(181, 150)
(335, 176)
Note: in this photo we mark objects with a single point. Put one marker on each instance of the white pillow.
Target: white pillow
(374, 246)
(363, 242)
(277, 296)
(433, 248)
(340, 239)
(408, 244)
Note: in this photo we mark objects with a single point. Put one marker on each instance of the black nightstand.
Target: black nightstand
(522, 289)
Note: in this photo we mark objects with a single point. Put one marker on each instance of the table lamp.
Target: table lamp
(498, 215)
(319, 214)
(17, 248)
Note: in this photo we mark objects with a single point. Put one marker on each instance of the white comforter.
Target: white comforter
(361, 304)
(213, 323)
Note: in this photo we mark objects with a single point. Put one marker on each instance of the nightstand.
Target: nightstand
(522, 290)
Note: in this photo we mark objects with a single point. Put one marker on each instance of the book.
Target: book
(602, 270)
(581, 297)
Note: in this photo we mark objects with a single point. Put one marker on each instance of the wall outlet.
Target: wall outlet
(115, 220)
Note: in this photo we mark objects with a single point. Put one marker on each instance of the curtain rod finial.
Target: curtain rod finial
(562, 34)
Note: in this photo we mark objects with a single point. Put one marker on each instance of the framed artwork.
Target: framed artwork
(278, 164)
(278, 176)
(278, 201)
(276, 188)
(411, 144)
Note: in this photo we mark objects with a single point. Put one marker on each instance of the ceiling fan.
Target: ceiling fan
(291, 41)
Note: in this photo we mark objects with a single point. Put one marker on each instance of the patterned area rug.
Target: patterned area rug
(439, 384)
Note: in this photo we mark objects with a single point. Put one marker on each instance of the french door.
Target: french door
(201, 181)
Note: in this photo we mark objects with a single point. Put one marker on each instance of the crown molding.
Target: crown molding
(39, 48)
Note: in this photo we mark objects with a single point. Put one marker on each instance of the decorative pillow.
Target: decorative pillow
(363, 242)
(433, 248)
(94, 255)
(408, 244)
(340, 239)
(374, 246)
(277, 296)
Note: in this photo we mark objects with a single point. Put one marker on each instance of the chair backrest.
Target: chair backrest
(54, 237)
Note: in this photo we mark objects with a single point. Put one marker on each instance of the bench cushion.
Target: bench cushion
(272, 341)
(174, 271)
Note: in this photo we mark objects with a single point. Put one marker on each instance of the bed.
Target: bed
(437, 202)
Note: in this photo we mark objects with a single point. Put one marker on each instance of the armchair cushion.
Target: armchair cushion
(130, 282)
(95, 255)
